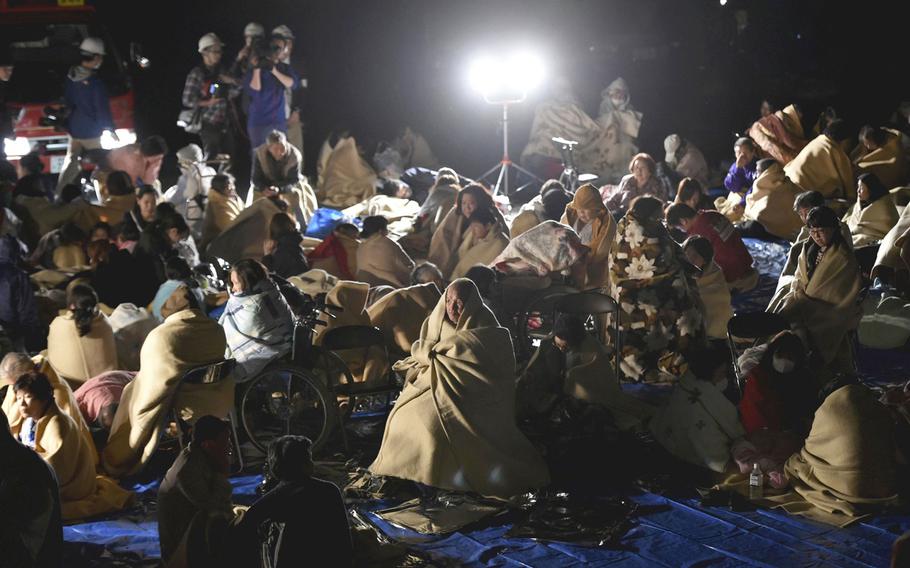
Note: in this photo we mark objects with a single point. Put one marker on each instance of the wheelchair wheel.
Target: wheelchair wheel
(287, 399)
(536, 320)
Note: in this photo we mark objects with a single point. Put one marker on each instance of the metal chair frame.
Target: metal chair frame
(591, 303)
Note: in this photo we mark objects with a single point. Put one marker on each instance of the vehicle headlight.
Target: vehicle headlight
(16, 147)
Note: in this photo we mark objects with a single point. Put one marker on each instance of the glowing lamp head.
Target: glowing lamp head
(506, 79)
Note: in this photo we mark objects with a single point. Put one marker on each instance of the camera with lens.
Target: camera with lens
(263, 52)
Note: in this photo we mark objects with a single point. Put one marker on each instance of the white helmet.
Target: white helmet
(283, 32)
(92, 45)
(209, 40)
(254, 29)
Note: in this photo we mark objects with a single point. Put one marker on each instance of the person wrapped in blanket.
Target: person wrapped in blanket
(594, 223)
(573, 363)
(472, 232)
(258, 323)
(873, 214)
(56, 438)
(820, 302)
(661, 315)
(337, 253)
(453, 427)
(712, 286)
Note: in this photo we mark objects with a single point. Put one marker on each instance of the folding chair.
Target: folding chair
(751, 327)
(208, 374)
(593, 303)
(355, 337)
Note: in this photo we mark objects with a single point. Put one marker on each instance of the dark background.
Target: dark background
(376, 65)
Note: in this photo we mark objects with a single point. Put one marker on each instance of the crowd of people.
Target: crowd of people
(105, 306)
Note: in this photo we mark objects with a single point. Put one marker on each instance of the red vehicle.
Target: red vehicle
(44, 42)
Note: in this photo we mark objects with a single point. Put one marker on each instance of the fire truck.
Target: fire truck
(43, 37)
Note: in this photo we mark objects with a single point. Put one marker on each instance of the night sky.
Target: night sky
(377, 65)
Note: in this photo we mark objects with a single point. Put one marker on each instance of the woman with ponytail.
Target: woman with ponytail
(81, 341)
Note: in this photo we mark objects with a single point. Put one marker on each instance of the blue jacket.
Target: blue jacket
(90, 108)
(267, 105)
(18, 313)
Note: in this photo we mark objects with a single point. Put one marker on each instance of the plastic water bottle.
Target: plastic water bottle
(756, 482)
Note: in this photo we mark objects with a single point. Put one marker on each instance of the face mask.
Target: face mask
(782, 365)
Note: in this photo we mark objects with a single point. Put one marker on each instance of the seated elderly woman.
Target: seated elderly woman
(337, 253)
(698, 423)
(548, 205)
(712, 286)
(662, 316)
(642, 180)
(574, 363)
(187, 339)
(821, 299)
(823, 165)
(880, 152)
(472, 232)
(258, 323)
(873, 214)
(453, 427)
(594, 224)
(80, 343)
(283, 254)
(277, 169)
(380, 260)
(56, 438)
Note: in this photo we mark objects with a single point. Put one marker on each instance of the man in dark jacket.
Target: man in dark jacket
(31, 532)
(88, 105)
(6, 118)
(18, 313)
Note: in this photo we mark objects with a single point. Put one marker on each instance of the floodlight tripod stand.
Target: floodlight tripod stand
(505, 164)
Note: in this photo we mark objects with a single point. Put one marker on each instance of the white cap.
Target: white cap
(671, 145)
(209, 40)
(190, 153)
(254, 29)
(283, 31)
(92, 45)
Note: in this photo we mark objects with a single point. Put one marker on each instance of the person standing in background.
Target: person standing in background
(7, 122)
(89, 108)
(266, 83)
(208, 90)
(284, 38)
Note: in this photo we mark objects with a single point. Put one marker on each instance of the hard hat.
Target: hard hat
(254, 29)
(283, 32)
(209, 40)
(190, 153)
(92, 45)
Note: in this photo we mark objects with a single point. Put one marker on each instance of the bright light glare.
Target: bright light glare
(16, 147)
(506, 78)
(124, 137)
(723, 2)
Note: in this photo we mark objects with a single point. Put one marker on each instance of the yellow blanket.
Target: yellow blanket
(347, 178)
(771, 203)
(185, 340)
(597, 261)
(243, 238)
(63, 397)
(888, 163)
(823, 166)
(220, 211)
(111, 211)
(453, 426)
(77, 359)
(40, 216)
(870, 225)
(352, 298)
(381, 261)
(401, 313)
(826, 304)
(889, 250)
(478, 250)
(82, 493)
(715, 295)
(846, 467)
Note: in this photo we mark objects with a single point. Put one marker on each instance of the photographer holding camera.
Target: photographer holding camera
(266, 83)
(207, 91)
